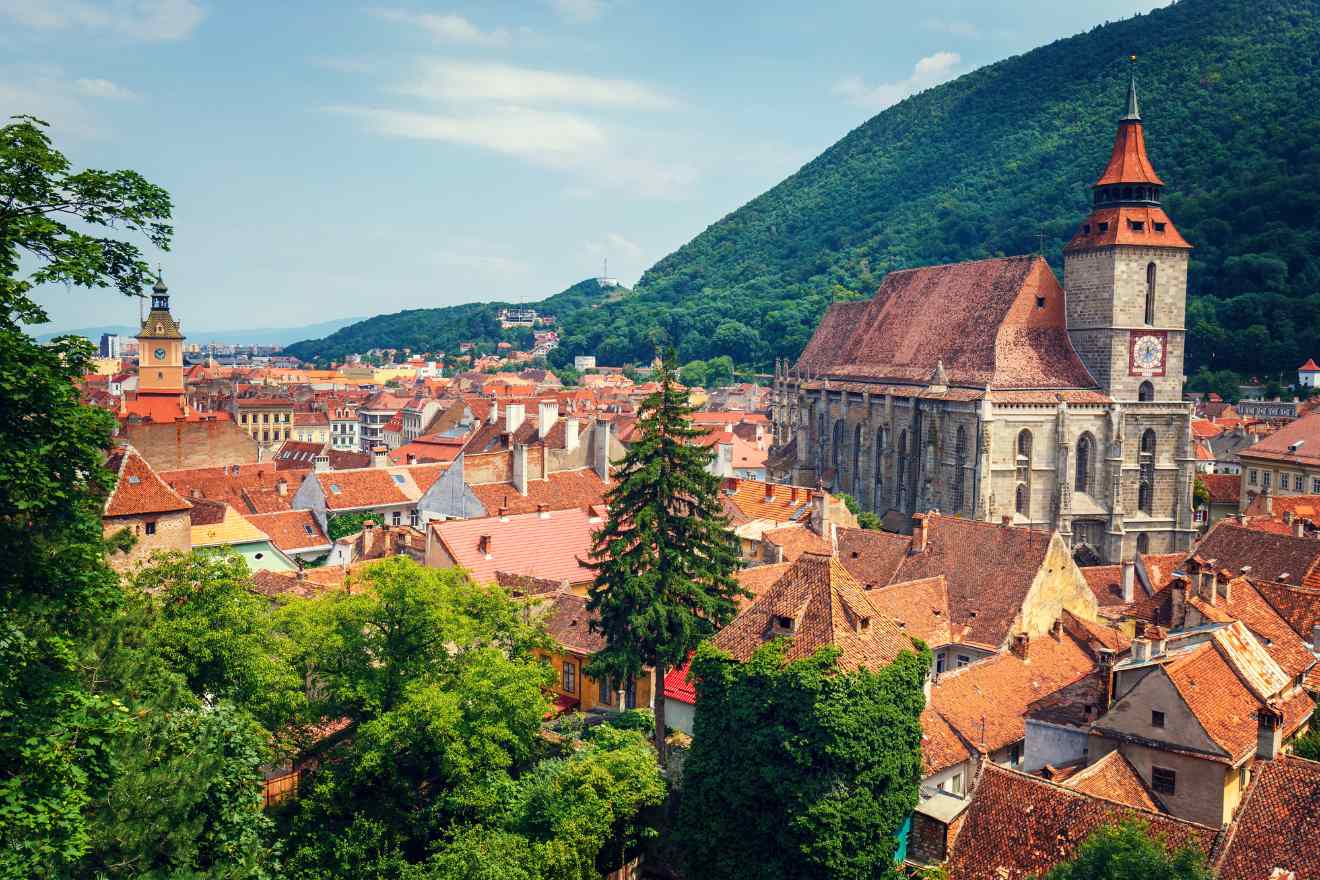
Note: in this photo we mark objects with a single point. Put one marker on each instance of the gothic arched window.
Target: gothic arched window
(1022, 500)
(1082, 470)
(1022, 468)
(1143, 543)
(854, 478)
(836, 446)
(1150, 293)
(1146, 460)
(1146, 391)
(879, 465)
(900, 490)
(959, 467)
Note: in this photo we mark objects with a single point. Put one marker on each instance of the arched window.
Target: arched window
(1022, 468)
(1022, 500)
(854, 478)
(959, 466)
(1143, 543)
(900, 473)
(1150, 293)
(1146, 391)
(928, 465)
(879, 465)
(1146, 460)
(1082, 469)
(836, 446)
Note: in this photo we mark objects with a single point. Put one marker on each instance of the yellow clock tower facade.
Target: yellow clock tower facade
(160, 347)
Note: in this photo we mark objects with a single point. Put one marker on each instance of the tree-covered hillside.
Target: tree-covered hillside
(441, 329)
(1230, 92)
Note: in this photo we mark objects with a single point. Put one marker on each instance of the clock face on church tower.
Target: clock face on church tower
(1146, 353)
(160, 354)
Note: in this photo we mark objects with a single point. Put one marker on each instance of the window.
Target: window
(397, 516)
(334, 487)
(1283, 482)
(1104, 227)
(398, 478)
(570, 677)
(606, 696)
(151, 527)
(879, 465)
(1159, 227)
(258, 555)
(1156, 718)
(1022, 464)
(1251, 477)
(1022, 500)
(308, 529)
(900, 474)
(836, 445)
(856, 458)
(1315, 485)
(1163, 780)
(1082, 470)
(1040, 301)
(955, 785)
(939, 664)
(1146, 392)
(959, 468)
(1265, 479)
(1150, 292)
(412, 517)
(1136, 226)
(1015, 755)
(1143, 542)
(962, 661)
(1146, 461)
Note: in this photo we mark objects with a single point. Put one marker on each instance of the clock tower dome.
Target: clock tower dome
(160, 347)
(1125, 276)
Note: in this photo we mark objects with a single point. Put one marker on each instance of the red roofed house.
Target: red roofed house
(1308, 374)
(1285, 463)
(567, 621)
(144, 504)
(980, 389)
(545, 546)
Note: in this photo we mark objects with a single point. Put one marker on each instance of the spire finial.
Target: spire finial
(1133, 110)
(159, 286)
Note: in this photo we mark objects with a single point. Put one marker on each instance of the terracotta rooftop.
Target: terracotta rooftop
(232, 529)
(563, 490)
(307, 584)
(1276, 825)
(941, 747)
(997, 323)
(138, 489)
(1019, 826)
(377, 486)
(1282, 558)
(291, 530)
(794, 540)
(1309, 367)
(552, 546)
(1298, 441)
(757, 499)
(678, 686)
(920, 608)
(1223, 488)
(1114, 779)
(250, 488)
(567, 621)
(758, 579)
(816, 603)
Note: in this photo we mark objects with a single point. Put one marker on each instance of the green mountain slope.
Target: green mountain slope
(984, 164)
(441, 329)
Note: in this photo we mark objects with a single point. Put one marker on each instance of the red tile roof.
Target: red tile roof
(1127, 225)
(1298, 442)
(1276, 825)
(550, 547)
(796, 539)
(826, 606)
(249, 488)
(1020, 826)
(1114, 779)
(979, 319)
(1309, 367)
(377, 486)
(941, 746)
(291, 530)
(1223, 488)
(564, 490)
(138, 489)
(1128, 162)
(1270, 556)
(920, 608)
(678, 686)
(568, 622)
(757, 499)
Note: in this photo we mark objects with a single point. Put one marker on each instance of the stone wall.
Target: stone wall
(173, 532)
(177, 445)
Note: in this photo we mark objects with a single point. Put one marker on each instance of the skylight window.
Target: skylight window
(308, 530)
(334, 487)
(133, 481)
(398, 478)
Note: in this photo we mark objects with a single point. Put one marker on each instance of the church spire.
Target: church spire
(1133, 111)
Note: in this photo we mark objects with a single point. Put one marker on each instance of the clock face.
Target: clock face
(1146, 354)
(160, 354)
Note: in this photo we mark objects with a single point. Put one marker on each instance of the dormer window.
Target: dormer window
(1159, 227)
(1040, 302)
(1136, 225)
(1104, 227)
(783, 623)
(864, 624)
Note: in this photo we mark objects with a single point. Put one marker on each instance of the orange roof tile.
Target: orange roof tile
(758, 579)
(563, 490)
(1275, 828)
(568, 622)
(757, 499)
(551, 546)
(291, 530)
(1114, 779)
(377, 486)
(138, 489)
(941, 747)
(796, 539)
(920, 608)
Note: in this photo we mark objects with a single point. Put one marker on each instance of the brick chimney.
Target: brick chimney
(547, 413)
(920, 530)
(1129, 580)
(1105, 662)
(1269, 733)
(380, 457)
(514, 415)
(543, 511)
(1021, 647)
(486, 545)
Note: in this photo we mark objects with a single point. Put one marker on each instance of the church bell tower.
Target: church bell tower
(160, 347)
(1125, 276)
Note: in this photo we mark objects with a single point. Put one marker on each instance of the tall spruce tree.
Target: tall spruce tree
(665, 558)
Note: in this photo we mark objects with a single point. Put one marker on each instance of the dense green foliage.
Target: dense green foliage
(341, 525)
(799, 770)
(1308, 746)
(665, 557)
(982, 165)
(442, 329)
(1128, 852)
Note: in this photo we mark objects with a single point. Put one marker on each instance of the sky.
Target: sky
(333, 159)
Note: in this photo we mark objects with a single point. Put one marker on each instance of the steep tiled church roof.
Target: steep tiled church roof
(996, 322)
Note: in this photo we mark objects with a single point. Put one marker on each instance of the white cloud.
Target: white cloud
(52, 96)
(929, 71)
(482, 81)
(448, 27)
(578, 10)
(103, 88)
(138, 19)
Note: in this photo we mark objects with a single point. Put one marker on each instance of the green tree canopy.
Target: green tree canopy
(1128, 852)
(665, 556)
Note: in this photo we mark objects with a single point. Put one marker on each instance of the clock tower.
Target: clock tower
(1125, 277)
(160, 347)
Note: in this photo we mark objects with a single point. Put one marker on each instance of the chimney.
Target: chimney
(769, 492)
(1056, 629)
(818, 513)
(1225, 582)
(412, 458)
(1269, 502)
(520, 468)
(1158, 638)
(494, 415)
(919, 530)
(504, 513)
(485, 545)
(1140, 650)
(1129, 580)
(1022, 646)
(543, 511)
(547, 415)
(379, 457)
(514, 414)
(1006, 519)
(571, 429)
(1299, 527)
(321, 463)
(282, 487)
(1287, 517)
(601, 440)
(1177, 601)
(1105, 661)
(1269, 733)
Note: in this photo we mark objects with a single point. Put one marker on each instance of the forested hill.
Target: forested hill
(441, 329)
(1230, 92)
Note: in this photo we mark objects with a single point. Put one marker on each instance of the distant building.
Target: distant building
(112, 345)
(1308, 374)
(517, 318)
(1285, 463)
(1267, 409)
(584, 362)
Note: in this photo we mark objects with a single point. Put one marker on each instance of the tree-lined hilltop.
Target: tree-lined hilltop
(982, 166)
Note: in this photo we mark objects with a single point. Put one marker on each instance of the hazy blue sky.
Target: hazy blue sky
(346, 159)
